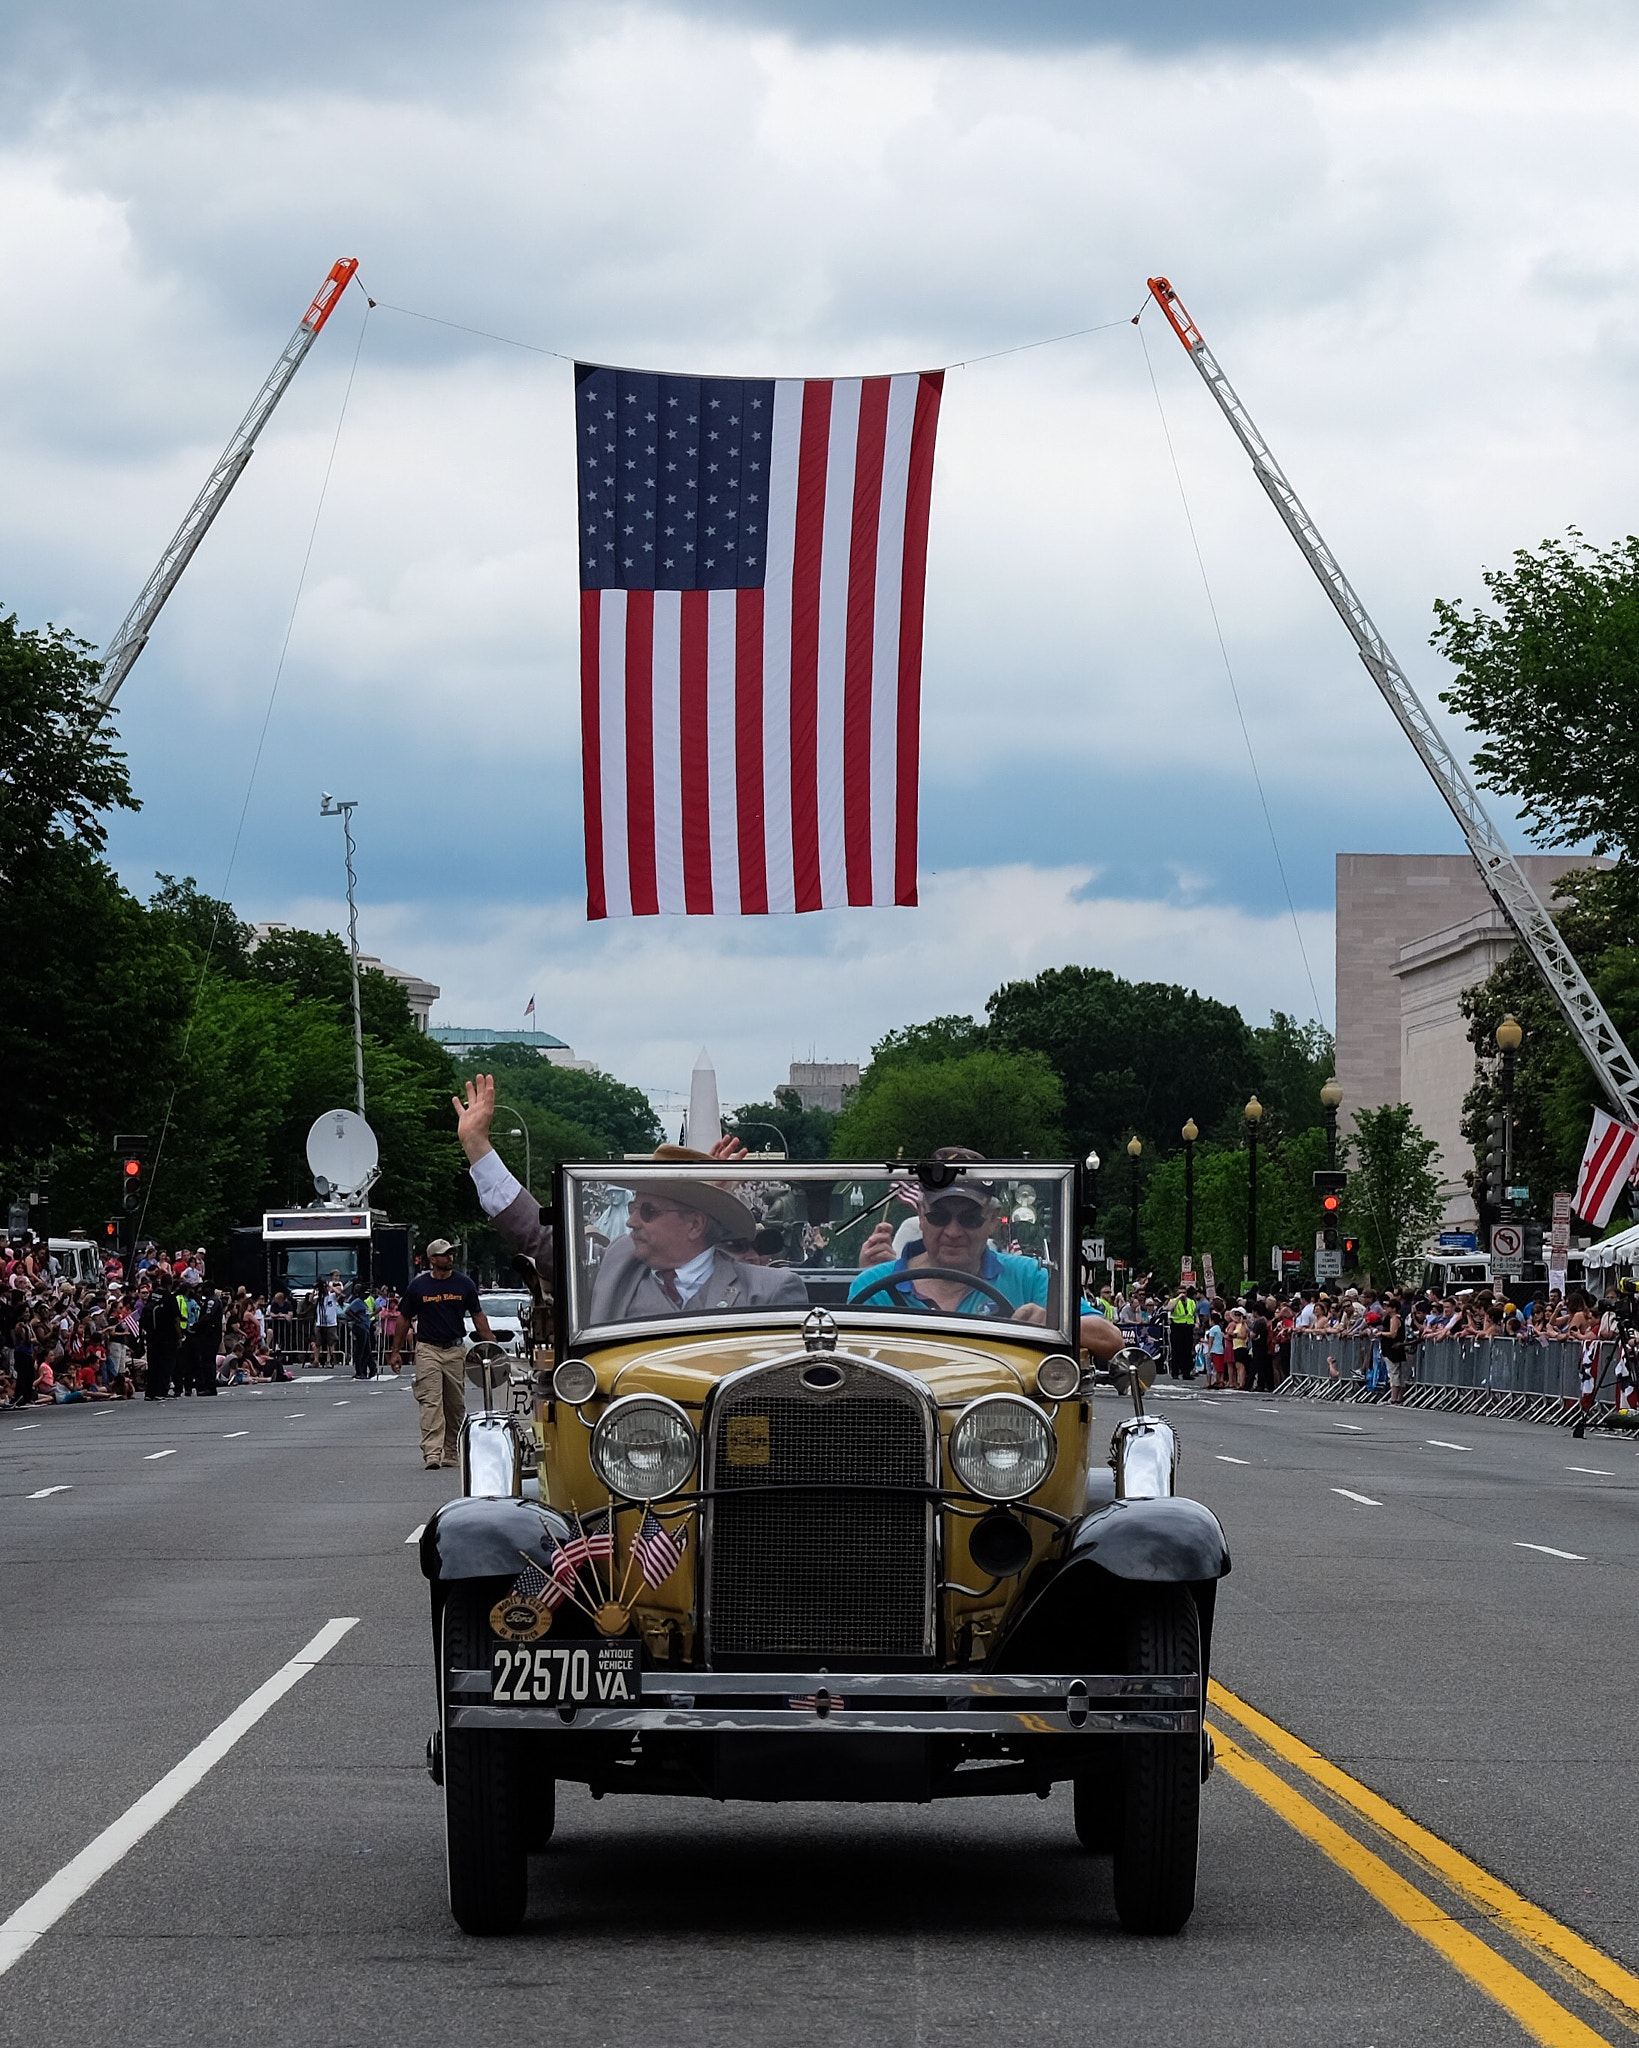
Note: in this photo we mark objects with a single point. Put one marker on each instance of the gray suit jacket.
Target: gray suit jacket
(626, 1290)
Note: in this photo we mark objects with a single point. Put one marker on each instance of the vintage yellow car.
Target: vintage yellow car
(828, 1509)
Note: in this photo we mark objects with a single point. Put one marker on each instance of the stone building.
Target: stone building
(1413, 931)
(824, 1084)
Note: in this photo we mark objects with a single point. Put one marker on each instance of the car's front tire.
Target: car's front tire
(1159, 1831)
(485, 1807)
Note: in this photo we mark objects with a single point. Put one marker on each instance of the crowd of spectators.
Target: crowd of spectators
(165, 1330)
(1246, 1345)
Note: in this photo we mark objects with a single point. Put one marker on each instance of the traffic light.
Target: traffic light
(1496, 1154)
(131, 1180)
(1351, 1255)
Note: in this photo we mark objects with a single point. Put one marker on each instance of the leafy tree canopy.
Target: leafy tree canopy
(1000, 1103)
(1551, 678)
(609, 1118)
(807, 1133)
(1393, 1196)
(1133, 1056)
(62, 769)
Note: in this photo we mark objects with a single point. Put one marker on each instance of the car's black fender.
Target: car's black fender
(1111, 1554)
(482, 1538)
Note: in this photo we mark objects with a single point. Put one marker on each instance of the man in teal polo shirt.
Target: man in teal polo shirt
(956, 1222)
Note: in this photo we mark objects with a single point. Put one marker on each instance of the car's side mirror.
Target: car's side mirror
(1132, 1370)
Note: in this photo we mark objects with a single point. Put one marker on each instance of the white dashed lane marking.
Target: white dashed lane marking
(415, 1534)
(1354, 1428)
(1548, 1550)
(27, 1425)
(297, 1417)
(46, 1492)
(1593, 1471)
(152, 1455)
(233, 1433)
(1225, 1459)
(1364, 1499)
(341, 1404)
(1439, 1443)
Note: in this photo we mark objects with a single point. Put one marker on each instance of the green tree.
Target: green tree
(1294, 1059)
(1287, 1210)
(1002, 1104)
(597, 1116)
(62, 768)
(1551, 678)
(1392, 1201)
(1133, 1056)
(806, 1133)
(920, 1045)
(1555, 1089)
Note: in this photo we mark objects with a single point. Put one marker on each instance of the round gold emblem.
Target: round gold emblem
(516, 1620)
(612, 1619)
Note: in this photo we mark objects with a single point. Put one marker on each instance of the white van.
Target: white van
(77, 1259)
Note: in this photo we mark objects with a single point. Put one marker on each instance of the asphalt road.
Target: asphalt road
(295, 1895)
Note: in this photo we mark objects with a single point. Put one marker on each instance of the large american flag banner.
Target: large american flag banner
(753, 556)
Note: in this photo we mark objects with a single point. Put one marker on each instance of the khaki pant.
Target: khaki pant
(440, 1387)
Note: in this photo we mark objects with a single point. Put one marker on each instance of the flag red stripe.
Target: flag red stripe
(591, 754)
(805, 628)
(748, 749)
(918, 498)
(640, 751)
(695, 752)
(861, 641)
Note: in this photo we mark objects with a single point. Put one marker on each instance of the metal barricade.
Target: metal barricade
(288, 1337)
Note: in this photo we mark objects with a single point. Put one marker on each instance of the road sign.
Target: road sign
(1329, 1265)
(1092, 1249)
(1562, 1208)
(1459, 1241)
(1507, 1242)
(1519, 1194)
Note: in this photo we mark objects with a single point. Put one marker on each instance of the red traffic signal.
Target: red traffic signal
(1330, 1204)
(132, 1168)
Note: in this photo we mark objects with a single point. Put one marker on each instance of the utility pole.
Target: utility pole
(330, 808)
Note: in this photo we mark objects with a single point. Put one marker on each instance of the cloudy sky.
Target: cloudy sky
(1409, 238)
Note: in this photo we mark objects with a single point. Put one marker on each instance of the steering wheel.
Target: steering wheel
(913, 1273)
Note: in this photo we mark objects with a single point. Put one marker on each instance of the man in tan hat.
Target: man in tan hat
(674, 1256)
(438, 1302)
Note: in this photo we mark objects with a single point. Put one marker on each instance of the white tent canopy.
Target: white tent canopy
(1620, 1250)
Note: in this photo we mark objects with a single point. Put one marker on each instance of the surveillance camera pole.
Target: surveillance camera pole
(330, 808)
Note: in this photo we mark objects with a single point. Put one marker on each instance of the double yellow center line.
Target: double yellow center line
(1584, 1967)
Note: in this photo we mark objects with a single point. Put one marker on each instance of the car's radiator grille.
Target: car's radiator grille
(825, 1574)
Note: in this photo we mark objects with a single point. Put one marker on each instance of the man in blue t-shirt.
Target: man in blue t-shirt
(438, 1303)
(956, 1222)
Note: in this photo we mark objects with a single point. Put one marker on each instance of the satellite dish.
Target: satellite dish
(343, 1153)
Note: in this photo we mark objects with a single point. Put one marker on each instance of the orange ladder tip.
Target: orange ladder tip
(328, 296)
(1173, 308)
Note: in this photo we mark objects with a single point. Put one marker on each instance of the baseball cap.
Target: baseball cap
(440, 1248)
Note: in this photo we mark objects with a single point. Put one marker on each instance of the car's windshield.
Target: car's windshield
(646, 1241)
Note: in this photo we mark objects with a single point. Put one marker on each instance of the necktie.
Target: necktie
(667, 1276)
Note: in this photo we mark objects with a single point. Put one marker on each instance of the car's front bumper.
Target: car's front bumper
(876, 1703)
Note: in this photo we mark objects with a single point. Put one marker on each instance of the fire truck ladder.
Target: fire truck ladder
(132, 637)
(1503, 876)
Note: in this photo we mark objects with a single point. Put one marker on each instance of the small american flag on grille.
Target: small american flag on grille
(753, 553)
(593, 1538)
(659, 1550)
(533, 1584)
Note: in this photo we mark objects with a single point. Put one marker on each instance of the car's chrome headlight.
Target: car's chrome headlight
(1002, 1447)
(643, 1447)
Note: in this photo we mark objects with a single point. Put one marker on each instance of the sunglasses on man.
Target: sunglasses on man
(961, 1215)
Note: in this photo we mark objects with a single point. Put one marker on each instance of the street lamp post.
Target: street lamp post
(757, 1124)
(330, 808)
(521, 1132)
(1135, 1152)
(1509, 1039)
(1190, 1133)
(1331, 1095)
(1253, 1113)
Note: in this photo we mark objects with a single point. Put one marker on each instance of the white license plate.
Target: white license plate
(566, 1675)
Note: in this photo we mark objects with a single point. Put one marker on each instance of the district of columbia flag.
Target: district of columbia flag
(1608, 1165)
(753, 555)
